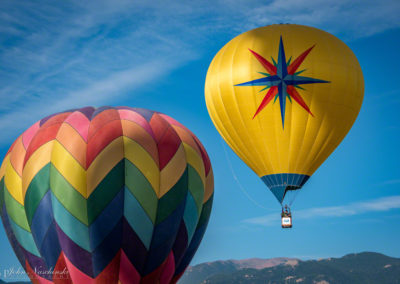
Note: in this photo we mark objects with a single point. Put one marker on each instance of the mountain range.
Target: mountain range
(366, 267)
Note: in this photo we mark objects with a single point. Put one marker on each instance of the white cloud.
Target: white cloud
(52, 54)
(348, 18)
(356, 208)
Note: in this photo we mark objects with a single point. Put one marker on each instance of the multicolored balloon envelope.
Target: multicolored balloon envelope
(106, 195)
(283, 97)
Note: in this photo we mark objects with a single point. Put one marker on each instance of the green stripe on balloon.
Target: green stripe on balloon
(196, 188)
(205, 213)
(111, 184)
(15, 211)
(71, 199)
(24, 238)
(38, 187)
(173, 198)
(141, 188)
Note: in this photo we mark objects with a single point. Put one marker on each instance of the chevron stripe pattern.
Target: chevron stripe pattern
(106, 195)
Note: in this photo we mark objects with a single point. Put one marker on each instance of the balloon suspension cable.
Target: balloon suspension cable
(296, 192)
(237, 180)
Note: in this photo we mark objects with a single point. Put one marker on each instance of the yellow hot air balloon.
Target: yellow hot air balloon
(283, 97)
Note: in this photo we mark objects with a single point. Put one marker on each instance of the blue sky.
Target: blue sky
(59, 55)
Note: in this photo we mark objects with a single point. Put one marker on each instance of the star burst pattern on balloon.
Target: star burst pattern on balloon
(282, 80)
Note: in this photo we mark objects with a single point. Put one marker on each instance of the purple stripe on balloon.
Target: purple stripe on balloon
(147, 114)
(133, 247)
(87, 111)
(191, 250)
(78, 256)
(180, 244)
(38, 265)
(164, 236)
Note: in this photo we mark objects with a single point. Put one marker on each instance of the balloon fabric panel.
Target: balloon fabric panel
(106, 195)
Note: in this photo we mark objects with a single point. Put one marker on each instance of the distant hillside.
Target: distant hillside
(367, 267)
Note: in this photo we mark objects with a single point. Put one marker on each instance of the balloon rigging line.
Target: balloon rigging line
(237, 180)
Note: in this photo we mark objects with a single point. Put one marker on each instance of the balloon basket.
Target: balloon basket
(286, 222)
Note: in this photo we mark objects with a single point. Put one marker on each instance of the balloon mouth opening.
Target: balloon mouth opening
(285, 184)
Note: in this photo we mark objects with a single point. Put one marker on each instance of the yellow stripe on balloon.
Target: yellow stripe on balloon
(186, 137)
(138, 156)
(72, 142)
(104, 162)
(36, 162)
(137, 133)
(4, 165)
(195, 160)
(13, 183)
(69, 167)
(173, 171)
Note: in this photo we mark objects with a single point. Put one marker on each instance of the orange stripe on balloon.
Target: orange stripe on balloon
(73, 143)
(137, 118)
(17, 156)
(187, 138)
(138, 134)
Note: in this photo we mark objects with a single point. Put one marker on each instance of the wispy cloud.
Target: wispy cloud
(349, 18)
(52, 54)
(356, 208)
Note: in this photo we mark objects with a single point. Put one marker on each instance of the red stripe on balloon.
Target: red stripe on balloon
(297, 62)
(271, 69)
(167, 139)
(44, 135)
(169, 270)
(103, 136)
(296, 96)
(127, 272)
(268, 97)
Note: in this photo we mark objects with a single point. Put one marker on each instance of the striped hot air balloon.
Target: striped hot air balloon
(106, 195)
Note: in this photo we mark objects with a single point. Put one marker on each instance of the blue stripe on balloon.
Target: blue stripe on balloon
(42, 219)
(71, 226)
(190, 215)
(24, 238)
(138, 219)
(107, 220)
